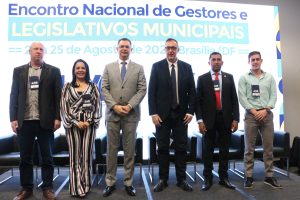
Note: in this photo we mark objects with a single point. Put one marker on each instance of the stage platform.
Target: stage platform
(144, 188)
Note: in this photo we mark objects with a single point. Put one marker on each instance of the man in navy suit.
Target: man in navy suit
(35, 113)
(171, 105)
(217, 113)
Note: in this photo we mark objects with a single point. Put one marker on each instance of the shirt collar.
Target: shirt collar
(251, 73)
(120, 61)
(40, 67)
(213, 73)
(169, 63)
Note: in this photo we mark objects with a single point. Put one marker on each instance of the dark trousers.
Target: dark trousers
(172, 125)
(223, 134)
(30, 130)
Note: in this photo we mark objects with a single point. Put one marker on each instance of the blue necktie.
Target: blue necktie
(123, 70)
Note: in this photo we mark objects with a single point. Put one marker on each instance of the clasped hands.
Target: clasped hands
(122, 110)
(259, 115)
(83, 125)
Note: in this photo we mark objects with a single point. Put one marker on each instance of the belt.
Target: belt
(248, 111)
(219, 112)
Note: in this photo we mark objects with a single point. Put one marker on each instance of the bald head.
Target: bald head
(36, 52)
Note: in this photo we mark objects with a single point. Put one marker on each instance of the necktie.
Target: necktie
(123, 70)
(217, 92)
(174, 90)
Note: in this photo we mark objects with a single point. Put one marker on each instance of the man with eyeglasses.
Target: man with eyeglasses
(258, 95)
(171, 99)
(123, 88)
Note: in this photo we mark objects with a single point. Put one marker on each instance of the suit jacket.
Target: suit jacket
(206, 100)
(49, 95)
(160, 89)
(131, 91)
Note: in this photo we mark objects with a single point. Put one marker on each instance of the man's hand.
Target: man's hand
(119, 110)
(259, 115)
(156, 120)
(126, 109)
(234, 126)
(57, 124)
(187, 119)
(14, 126)
(202, 128)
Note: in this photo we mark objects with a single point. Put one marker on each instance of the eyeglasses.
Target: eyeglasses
(173, 48)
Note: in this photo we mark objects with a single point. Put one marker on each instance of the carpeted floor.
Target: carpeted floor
(144, 188)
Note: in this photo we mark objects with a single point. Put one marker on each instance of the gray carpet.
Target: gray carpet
(144, 188)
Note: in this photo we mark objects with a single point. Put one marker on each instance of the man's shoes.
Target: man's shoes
(130, 190)
(248, 183)
(160, 186)
(206, 185)
(271, 181)
(226, 183)
(108, 190)
(23, 194)
(48, 194)
(184, 185)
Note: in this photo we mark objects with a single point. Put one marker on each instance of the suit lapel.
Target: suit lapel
(24, 76)
(45, 71)
(210, 82)
(116, 71)
(224, 82)
(166, 72)
(180, 74)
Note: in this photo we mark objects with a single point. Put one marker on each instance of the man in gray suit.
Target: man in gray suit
(123, 88)
(34, 113)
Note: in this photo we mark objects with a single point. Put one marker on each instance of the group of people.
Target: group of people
(38, 104)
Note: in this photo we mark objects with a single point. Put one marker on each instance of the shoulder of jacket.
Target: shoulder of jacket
(163, 61)
(136, 64)
(180, 62)
(227, 74)
(21, 67)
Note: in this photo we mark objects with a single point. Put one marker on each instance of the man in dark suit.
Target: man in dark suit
(171, 106)
(217, 113)
(34, 113)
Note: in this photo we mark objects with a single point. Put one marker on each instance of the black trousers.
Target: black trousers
(174, 127)
(218, 136)
(30, 130)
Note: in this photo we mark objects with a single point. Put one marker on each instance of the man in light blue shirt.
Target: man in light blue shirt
(257, 94)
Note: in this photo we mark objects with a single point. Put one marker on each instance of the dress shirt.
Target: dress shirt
(32, 96)
(267, 87)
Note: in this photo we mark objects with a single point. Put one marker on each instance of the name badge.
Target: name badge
(34, 82)
(217, 85)
(87, 102)
(255, 90)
